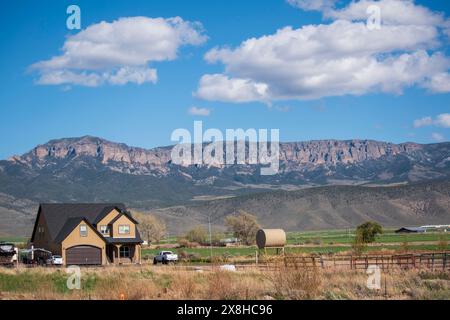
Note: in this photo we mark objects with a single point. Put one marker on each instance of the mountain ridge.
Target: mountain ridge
(91, 169)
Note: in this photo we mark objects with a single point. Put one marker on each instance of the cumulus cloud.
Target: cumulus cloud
(423, 122)
(220, 87)
(339, 58)
(442, 120)
(313, 5)
(437, 137)
(439, 83)
(119, 52)
(199, 111)
(393, 12)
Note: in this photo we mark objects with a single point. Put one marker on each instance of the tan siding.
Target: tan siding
(107, 219)
(92, 239)
(123, 220)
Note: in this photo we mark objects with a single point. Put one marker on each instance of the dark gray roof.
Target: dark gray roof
(136, 239)
(410, 229)
(70, 224)
(58, 215)
(125, 214)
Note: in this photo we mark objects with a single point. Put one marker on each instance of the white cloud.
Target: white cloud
(425, 121)
(199, 111)
(340, 58)
(393, 12)
(119, 52)
(312, 5)
(92, 79)
(439, 83)
(220, 87)
(442, 120)
(437, 137)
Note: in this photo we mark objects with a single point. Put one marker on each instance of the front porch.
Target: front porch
(124, 253)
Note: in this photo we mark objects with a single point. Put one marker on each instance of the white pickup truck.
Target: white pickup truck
(165, 257)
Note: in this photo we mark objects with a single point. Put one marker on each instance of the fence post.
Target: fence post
(444, 261)
(432, 262)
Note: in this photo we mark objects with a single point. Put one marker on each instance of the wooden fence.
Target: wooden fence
(431, 261)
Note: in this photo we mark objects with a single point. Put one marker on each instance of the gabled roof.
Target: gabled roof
(57, 215)
(410, 229)
(105, 212)
(70, 224)
(123, 213)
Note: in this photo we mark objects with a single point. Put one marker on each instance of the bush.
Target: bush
(301, 283)
(368, 231)
(244, 226)
(189, 256)
(358, 244)
(198, 234)
(185, 243)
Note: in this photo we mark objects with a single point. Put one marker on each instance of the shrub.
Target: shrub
(198, 234)
(244, 226)
(300, 283)
(368, 231)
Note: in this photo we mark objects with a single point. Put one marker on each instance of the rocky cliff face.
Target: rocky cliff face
(93, 169)
(294, 155)
(344, 152)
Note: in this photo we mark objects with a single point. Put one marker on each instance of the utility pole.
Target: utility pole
(210, 238)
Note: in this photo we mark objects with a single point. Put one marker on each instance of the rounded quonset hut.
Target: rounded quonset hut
(270, 238)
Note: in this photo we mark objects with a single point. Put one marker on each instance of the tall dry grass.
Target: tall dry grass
(168, 282)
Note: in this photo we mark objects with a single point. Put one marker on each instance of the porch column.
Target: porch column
(140, 255)
(137, 254)
(118, 253)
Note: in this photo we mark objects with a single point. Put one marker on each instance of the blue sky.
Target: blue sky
(33, 111)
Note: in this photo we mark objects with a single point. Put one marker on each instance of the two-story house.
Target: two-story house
(88, 233)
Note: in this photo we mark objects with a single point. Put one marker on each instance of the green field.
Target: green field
(321, 242)
(347, 236)
(230, 252)
(13, 239)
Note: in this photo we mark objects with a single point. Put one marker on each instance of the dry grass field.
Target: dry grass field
(168, 282)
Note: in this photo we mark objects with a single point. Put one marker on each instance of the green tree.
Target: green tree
(358, 244)
(244, 226)
(198, 234)
(368, 231)
(151, 228)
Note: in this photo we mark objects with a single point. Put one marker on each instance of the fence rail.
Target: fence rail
(434, 261)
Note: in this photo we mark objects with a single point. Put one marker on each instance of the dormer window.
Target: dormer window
(124, 229)
(104, 230)
(83, 230)
(41, 232)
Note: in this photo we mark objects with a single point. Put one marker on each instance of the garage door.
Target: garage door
(83, 255)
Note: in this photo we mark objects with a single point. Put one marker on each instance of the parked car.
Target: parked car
(8, 253)
(55, 261)
(165, 257)
(35, 256)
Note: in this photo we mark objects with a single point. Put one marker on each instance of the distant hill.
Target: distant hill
(91, 169)
(328, 207)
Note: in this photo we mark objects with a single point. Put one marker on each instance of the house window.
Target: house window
(124, 229)
(104, 230)
(124, 252)
(41, 232)
(83, 230)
